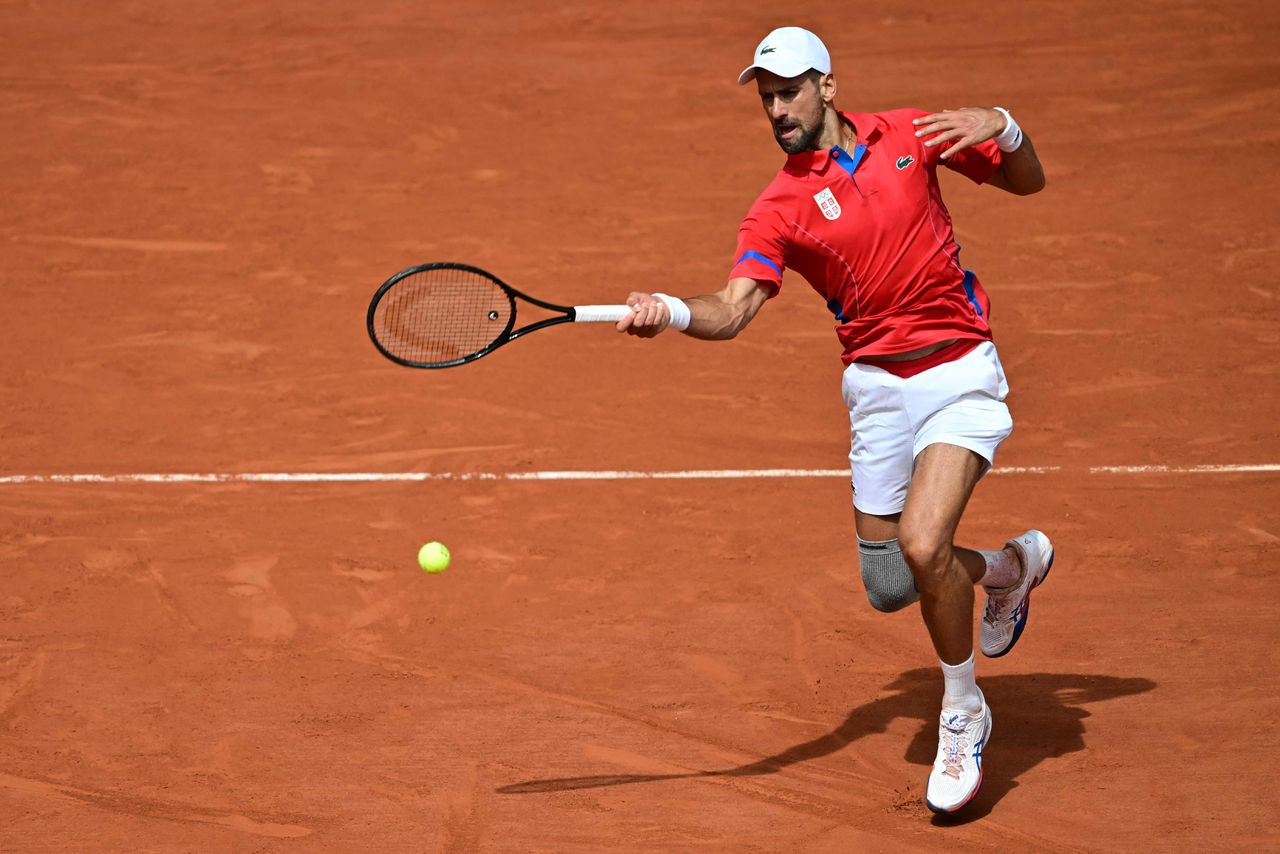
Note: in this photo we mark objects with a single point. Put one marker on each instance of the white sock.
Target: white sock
(961, 691)
(1003, 569)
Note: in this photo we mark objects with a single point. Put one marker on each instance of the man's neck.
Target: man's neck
(835, 131)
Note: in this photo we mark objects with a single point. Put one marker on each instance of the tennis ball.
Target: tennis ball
(433, 557)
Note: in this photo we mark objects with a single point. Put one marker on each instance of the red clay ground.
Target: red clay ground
(199, 200)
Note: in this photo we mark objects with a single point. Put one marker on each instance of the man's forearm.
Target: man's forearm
(1021, 168)
(712, 319)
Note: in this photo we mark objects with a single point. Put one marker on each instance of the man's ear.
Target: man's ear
(827, 88)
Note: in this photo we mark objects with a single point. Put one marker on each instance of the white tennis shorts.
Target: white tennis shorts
(894, 419)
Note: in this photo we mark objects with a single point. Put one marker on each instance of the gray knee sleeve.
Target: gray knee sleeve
(885, 575)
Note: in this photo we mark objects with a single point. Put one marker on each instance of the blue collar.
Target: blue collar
(849, 162)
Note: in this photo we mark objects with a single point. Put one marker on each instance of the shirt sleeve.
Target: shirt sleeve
(977, 162)
(762, 244)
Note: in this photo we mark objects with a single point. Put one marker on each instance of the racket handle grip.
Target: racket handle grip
(600, 313)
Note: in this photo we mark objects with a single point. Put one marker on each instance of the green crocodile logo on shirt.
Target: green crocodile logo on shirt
(905, 161)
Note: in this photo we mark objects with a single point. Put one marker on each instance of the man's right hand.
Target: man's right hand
(649, 316)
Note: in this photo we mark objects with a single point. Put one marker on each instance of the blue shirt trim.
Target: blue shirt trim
(756, 256)
(835, 308)
(968, 291)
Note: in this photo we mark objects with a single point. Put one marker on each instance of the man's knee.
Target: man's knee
(923, 553)
(886, 575)
(927, 557)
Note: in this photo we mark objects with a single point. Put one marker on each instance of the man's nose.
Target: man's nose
(777, 111)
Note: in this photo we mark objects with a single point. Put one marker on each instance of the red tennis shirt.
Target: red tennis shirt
(870, 233)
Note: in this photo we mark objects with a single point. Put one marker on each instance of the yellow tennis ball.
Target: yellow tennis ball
(433, 557)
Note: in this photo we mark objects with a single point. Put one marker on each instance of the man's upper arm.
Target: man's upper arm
(762, 246)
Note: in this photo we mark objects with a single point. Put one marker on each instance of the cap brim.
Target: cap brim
(782, 70)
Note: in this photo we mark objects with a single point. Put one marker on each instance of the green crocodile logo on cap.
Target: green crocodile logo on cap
(767, 49)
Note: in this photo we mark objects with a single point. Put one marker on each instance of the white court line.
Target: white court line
(1181, 469)
(709, 474)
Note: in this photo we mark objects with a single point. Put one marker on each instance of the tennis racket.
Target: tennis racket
(444, 315)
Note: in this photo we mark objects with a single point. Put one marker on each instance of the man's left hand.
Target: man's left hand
(966, 126)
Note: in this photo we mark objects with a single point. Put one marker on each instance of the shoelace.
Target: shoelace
(957, 745)
(993, 608)
(1003, 600)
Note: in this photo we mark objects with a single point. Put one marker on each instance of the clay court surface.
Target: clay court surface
(199, 199)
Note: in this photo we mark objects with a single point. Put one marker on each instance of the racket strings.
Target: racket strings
(440, 315)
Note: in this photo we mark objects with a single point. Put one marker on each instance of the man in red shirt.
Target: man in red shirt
(857, 211)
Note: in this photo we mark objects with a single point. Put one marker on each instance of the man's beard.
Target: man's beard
(804, 141)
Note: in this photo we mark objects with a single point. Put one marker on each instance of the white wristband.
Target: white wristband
(680, 315)
(1010, 138)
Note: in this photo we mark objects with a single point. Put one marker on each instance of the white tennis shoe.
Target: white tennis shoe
(1006, 614)
(957, 769)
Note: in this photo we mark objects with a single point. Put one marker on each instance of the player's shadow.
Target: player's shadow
(1037, 716)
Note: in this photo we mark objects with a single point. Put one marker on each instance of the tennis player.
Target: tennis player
(857, 211)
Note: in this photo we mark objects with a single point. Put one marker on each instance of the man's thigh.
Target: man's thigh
(895, 421)
(875, 527)
(943, 480)
(881, 440)
(941, 485)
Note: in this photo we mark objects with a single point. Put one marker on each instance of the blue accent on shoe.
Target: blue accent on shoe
(977, 758)
(1026, 610)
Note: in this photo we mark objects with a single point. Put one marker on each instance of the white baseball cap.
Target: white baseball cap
(788, 52)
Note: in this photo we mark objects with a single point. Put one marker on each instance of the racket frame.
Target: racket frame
(567, 314)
